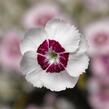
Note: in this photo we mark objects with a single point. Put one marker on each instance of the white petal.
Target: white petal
(83, 47)
(67, 35)
(77, 64)
(35, 78)
(32, 40)
(29, 63)
(59, 81)
(52, 81)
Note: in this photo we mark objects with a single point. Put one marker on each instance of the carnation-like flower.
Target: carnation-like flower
(40, 14)
(10, 50)
(98, 94)
(97, 35)
(100, 68)
(99, 100)
(54, 56)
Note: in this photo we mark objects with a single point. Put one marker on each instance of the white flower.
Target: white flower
(55, 56)
(40, 14)
(10, 49)
(97, 35)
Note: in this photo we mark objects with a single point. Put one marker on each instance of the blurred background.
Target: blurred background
(92, 19)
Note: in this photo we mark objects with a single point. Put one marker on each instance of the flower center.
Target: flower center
(52, 56)
(101, 38)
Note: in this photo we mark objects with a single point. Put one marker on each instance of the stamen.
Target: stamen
(53, 55)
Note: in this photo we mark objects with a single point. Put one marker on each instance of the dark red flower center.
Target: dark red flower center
(52, 56)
